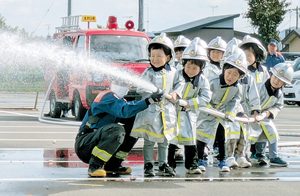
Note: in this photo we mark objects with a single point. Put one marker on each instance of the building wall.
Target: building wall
(240, 36)
(294, 45)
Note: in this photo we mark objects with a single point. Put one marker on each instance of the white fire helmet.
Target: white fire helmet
(194, 51)
(283, 72)
(238, 60)
(200, 42)
(181, 41)
(119, 87)
(234, 41)
(164, 40)
(232, 49)
(217, 44)
(251, 40)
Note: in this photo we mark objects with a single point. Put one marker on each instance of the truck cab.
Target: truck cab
(75, 89)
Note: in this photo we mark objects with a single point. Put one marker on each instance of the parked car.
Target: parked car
(290, 56)
(292, 92)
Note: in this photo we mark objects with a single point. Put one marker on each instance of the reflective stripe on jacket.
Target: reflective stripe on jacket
(159, 120)
(197, 95)
(225, 100)
(273, 104)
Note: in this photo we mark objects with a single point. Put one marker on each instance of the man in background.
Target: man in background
(273, 57)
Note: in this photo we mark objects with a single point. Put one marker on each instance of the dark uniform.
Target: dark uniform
(273, 60)
(101, 139)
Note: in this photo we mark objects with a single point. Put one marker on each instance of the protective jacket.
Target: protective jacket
(271, 101)
(100, 124)
(249, 102)
(260, 74)
(224, 99)
(158, 121)
(211, 71)
(178, 65)
(197, 93)
(107, 108)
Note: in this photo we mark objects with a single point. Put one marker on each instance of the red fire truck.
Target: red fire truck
(124, 47)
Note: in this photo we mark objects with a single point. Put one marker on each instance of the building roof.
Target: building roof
(294, 33)
(199, 24)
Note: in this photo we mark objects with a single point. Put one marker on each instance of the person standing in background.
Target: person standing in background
(273, 57)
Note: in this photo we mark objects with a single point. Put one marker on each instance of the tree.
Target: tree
(21, 32)
(265, 16)
(3, 25)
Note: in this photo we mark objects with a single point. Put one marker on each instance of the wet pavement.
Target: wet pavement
(38, 164)
(39, 159)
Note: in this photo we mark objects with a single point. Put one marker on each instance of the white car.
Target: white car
(292, 92)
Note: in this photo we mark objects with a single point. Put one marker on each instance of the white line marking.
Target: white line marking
(33, 126)
(288, 144)
(19, 114)
(148, 179)
(281, 125)
(53, 161)
(55, 140)
(288, 129)
(37, 132)
(49, 161)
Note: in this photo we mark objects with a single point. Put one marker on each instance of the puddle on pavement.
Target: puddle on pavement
(55, 163)
(68, 158)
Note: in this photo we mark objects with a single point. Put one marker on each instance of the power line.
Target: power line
(43, 17)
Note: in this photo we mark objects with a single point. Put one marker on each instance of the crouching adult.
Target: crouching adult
(103, 140)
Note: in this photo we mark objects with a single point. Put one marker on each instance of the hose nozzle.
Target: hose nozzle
(159, 91)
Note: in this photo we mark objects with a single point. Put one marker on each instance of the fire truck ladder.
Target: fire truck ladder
(69, 23)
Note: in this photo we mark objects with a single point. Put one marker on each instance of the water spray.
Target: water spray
(18, 54)
(54, 121)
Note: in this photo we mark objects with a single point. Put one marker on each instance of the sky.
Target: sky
(40, 17)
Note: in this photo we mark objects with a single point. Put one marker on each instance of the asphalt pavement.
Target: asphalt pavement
(38, 159)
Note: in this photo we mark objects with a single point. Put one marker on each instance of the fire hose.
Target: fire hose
(180, 102)
(212, 112)
(54, 121)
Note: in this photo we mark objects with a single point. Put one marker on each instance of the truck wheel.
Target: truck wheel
(290, 102)
(79, 110)
(55, 107)
(298, 103)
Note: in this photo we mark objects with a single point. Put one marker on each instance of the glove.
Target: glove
(155, 98)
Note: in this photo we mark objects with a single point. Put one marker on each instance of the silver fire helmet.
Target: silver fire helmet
(164, 40)
(181, 41)
(200, 42)
(251, 40)
(238, 60)
(194, 51)
(283, 72)
(217, 44)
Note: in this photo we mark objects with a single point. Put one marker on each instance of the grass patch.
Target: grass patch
(37, 86)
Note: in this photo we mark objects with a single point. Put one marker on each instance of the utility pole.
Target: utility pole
(48, 27)
(141, 15)
(69, 11)
(297, 15)
(213, 7)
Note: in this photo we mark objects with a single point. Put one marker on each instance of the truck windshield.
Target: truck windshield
(118, 48)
